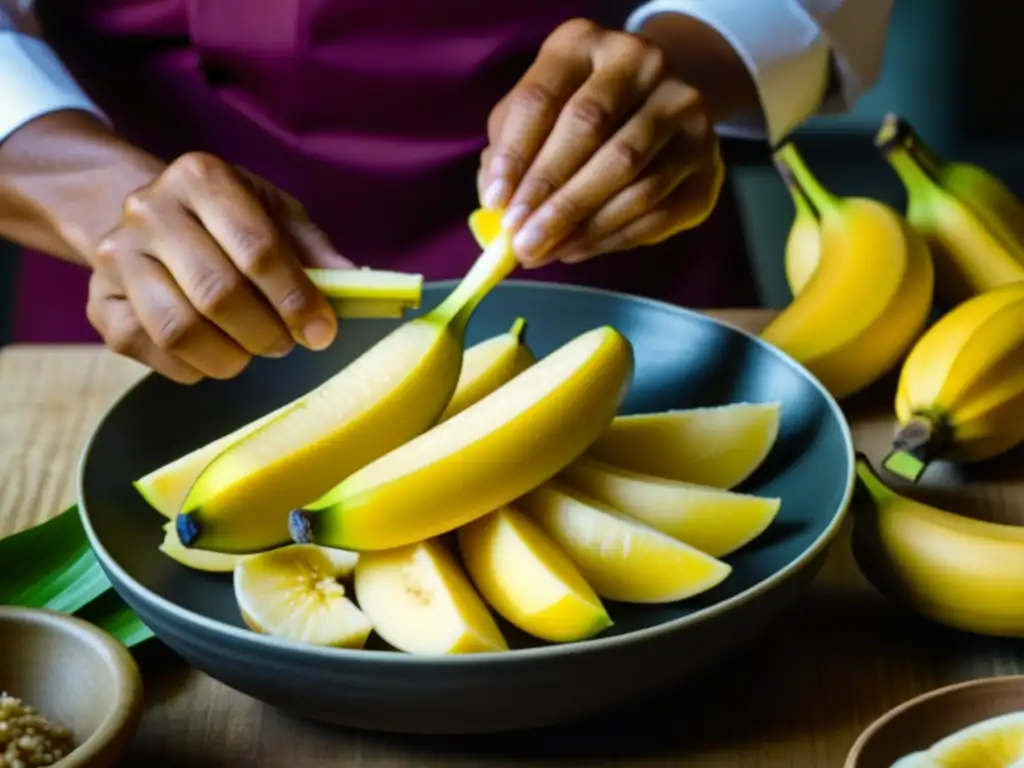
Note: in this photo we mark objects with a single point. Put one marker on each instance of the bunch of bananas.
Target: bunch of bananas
(862, 277)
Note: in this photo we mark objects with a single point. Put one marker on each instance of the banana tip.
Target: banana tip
(187, 528)
(300, 526)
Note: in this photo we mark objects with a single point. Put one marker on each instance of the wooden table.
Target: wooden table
(797, 697)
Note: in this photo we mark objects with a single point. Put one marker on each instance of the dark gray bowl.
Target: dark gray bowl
(682, 359)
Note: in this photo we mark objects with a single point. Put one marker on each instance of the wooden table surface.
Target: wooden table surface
(796, 697)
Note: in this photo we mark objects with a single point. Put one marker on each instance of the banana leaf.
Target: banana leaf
(51, 566)
(112, 614)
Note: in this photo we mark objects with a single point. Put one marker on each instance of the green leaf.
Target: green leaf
(112, 614)
(51, 566)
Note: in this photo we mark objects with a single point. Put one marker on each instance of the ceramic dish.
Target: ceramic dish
(683, 359)
(917, 724)
(72, 673)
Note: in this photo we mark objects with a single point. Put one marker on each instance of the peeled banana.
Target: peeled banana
(482, 458)
(869, 297)
(370, 293)
(972, 223)
(961, 389)
(391, 393)
(958, 571)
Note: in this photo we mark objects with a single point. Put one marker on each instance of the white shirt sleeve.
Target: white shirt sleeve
(790, 48)
(33, 81)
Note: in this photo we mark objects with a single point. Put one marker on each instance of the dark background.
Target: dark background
(952, 68)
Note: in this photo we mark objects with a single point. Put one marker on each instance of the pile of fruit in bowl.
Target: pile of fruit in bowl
(423, 490)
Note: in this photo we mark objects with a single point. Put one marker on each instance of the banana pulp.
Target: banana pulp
(477, 461)
(720, 446)
(620, 557)
(869, 297)
(391, 393)
(997, 742)
(420, 601)
(488, 365)
(369, 293)
(713, 520)
(955, 570)
(966, 220)
(528, 579)
(961, 388)
(196, 559)
(294, 593)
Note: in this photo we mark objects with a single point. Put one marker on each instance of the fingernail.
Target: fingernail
(318, 334)
(280, 349)
(497, 194)
(514, 217)
(528, 241)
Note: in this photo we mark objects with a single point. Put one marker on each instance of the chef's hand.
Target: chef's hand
(598, 148)
(205, 271)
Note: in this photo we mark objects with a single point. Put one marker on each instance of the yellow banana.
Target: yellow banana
(487, 456)
(867, 300)
(803, 245)
(958, 571)
(369, 293)
(488, 365)
(391, 393)
(974, 245)
(961, 388)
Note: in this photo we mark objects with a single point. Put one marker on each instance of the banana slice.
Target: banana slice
(621, 558)
(294, 593)
(528, 579)
(421, 602)
(714, 521)
(719, 446)
(997, 742)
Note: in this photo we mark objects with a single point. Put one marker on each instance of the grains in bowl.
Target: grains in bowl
(29, 740)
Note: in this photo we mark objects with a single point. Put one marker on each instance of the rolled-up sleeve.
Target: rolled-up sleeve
(33, 81)
(792, 48)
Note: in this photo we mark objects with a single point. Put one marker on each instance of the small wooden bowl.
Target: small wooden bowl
(917, 724)
(72, 673)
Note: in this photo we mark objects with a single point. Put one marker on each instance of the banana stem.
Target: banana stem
(789, 162)
(870, 480)
(911, 173)
(496, 263)
(517, 329)
(896, 131)
(916, 444)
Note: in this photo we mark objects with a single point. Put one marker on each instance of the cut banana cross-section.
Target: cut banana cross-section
(421, 602)
(620, 557)
(294, 593)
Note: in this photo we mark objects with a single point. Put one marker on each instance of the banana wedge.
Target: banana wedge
(482, 458)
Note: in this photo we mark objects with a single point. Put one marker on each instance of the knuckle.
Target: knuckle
(173, 327)
(654, 63)
(256, 251)
(107, 253)
(532, 98)
(217, 291)
(126, 339)
(139, 206)
(565, 208)
(593, 116)
(629, 47)
(541, 185)
(297, 304)
(576, 29)
(196, 165)
(627, 157)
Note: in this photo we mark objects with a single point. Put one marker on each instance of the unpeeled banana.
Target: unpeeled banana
(484, 457)
(958, 571)
(971, 221)
(391, 393)
(868, 298)
(961, 389)
(803, 244)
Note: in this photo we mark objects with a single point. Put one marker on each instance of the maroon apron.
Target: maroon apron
(371, 112)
